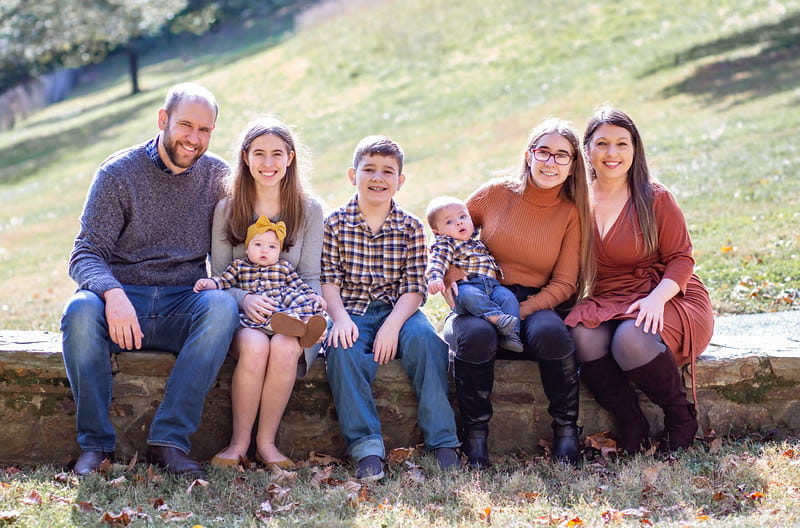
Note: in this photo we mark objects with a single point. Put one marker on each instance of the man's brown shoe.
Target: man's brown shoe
(90, 460)
(174, 460)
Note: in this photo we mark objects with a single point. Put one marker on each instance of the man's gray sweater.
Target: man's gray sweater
(146, 226)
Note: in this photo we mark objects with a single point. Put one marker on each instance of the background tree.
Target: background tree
(38, 36)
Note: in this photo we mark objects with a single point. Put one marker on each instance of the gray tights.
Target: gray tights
(629, 345)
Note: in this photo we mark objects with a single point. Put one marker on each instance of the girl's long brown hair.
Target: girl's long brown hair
(639, 183)
(242, 192)
(575, 189)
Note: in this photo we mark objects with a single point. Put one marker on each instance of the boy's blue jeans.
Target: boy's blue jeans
(351, 371)
(484, 297)
(198, 327)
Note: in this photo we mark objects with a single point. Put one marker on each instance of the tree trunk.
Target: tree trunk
(133, 62)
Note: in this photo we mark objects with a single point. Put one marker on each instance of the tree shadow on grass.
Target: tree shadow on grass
(773, 65)
(21, 159)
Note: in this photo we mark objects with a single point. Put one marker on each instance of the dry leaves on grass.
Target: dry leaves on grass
(528, 495)
(86, 507)
(321, 459)
(196, 482)
(485, 515)
(124, 517)
(170, 515)
(34, 498)
(399, 455)
(9, 515)
(602, 442)
(414, 475)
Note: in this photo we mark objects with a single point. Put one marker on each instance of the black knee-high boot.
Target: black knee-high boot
(612, 390)
(560, 384)
(661, 382)
(474, 383)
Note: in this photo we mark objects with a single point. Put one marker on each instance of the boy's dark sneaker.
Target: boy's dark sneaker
(370, 468)
(506, 324)
(511, 342)
(447, 458)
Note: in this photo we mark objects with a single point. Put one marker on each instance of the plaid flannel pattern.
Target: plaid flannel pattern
(470, 256)
(373, 267)
(279, 281)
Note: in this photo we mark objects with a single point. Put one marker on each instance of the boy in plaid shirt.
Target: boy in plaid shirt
(480, 293)
(373, 265)
(262, 273)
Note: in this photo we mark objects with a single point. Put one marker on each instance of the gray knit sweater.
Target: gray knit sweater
(146, 226)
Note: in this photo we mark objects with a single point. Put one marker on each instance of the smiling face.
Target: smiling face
(454, 221)
(611, 152)
(548, 174)
(377, 179)
(186, 133)
(264, 248)
(268, 157)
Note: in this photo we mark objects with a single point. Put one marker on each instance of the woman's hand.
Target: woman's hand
(450, 295)
(258, 308)
(651, 313)
(524, 311)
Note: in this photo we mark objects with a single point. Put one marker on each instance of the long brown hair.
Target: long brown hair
(639, 182)
(575, 189)
(241, 186)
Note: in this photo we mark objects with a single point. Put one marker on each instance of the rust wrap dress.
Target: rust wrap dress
(625, 274)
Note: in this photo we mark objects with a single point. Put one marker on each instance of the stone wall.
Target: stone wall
(742, 386)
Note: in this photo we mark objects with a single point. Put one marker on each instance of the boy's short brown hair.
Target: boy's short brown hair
(381, 145)
(437, 204)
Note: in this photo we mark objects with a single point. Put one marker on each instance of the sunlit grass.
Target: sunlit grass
(459, 85)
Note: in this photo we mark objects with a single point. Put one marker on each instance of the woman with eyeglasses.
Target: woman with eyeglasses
(648, 312)
(533, 224)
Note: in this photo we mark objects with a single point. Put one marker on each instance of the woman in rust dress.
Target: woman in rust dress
(648, 312)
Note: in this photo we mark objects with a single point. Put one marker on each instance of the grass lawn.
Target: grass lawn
(713, 89)
(721, 483)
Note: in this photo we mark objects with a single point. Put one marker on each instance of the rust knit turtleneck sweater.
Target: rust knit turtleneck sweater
(534, 237)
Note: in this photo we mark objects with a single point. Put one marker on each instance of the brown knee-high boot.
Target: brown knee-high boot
(662, 383)
(612, 390)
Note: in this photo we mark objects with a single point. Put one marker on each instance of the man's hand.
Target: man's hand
(344, 333)
(450, 295)
(123, 325)
(435, 286)
(258, 307)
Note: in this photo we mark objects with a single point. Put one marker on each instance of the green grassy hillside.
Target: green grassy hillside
(714, 90)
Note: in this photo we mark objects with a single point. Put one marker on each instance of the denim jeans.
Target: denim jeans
(197, 327)
(352, 370)
(484, 297)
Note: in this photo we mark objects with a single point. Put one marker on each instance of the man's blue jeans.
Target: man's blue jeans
(484, 297)
(351, 372)
(198, 327)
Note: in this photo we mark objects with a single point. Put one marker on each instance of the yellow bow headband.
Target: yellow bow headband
(262, 225)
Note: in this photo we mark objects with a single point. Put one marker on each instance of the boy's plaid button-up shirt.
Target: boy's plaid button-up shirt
(373, 267)
(470, 256)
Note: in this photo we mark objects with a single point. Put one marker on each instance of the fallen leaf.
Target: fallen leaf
(114, 519)
(11, 470)
(789, 453)
(52, 497)
(158, 503)
(9, 515)
(612, 515)
(152, 476)
(34, 498)
(722, 495)
(415, 474)
(601, 442)
(170, 515)
(282, 475)
(196, 482)
(117, 482)
(104, 467)
(362, 496)
(352, 486)
(726, 249)
(700, 481)
(321, 459)
(716, 445)
(636, 512)
(63, 477)
(320, 474)
(399, 455)
(86, 507)
(546, 445)
(528, 495)
(485, 515)
(276, 492)
(265, 507)
(756, 495)
(645, 521)
(577, 521)
(702, 518)
(133, 461)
